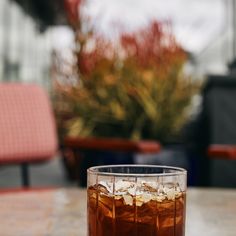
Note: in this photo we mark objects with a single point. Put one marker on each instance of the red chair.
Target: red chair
(27, 127)
(77, 160)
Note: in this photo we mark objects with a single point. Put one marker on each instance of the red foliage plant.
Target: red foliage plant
(150, 48)
(131, 86)
(72, 9)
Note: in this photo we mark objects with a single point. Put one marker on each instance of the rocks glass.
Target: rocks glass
(136, 200)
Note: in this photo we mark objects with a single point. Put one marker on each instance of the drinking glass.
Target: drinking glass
(136, 200)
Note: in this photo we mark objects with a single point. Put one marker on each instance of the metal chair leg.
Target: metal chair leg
(25, 174)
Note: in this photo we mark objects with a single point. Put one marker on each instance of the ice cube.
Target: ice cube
(149, 186)
(128, 200)
(170, 193)
(102, 189)
(146, 197)
(123, 186)
(132, 191)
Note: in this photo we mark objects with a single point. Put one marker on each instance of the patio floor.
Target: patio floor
(46, 174)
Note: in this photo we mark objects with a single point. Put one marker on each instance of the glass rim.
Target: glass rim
(178, 171)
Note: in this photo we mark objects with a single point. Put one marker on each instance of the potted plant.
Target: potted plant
(132, 87)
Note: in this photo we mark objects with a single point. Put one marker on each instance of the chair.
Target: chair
(218, 124)
(86, 152)
(27, 127)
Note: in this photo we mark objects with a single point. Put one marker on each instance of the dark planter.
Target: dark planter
(94, 158)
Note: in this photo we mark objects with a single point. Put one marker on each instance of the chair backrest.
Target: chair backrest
(27, 125)
(220, 109)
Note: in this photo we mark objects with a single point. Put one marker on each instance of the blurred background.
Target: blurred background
(133, 70)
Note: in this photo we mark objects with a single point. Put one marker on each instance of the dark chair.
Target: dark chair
(215, 131)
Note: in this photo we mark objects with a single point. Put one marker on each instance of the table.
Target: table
(62, 212)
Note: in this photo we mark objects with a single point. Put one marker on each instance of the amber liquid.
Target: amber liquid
(108, 216)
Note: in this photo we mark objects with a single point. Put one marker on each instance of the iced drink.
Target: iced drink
(137, 206)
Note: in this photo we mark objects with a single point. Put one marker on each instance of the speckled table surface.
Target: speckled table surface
(62, 212)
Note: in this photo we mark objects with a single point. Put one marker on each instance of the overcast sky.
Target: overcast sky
(195, 22)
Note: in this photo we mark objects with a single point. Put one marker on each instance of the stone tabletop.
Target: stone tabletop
(62, 212)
